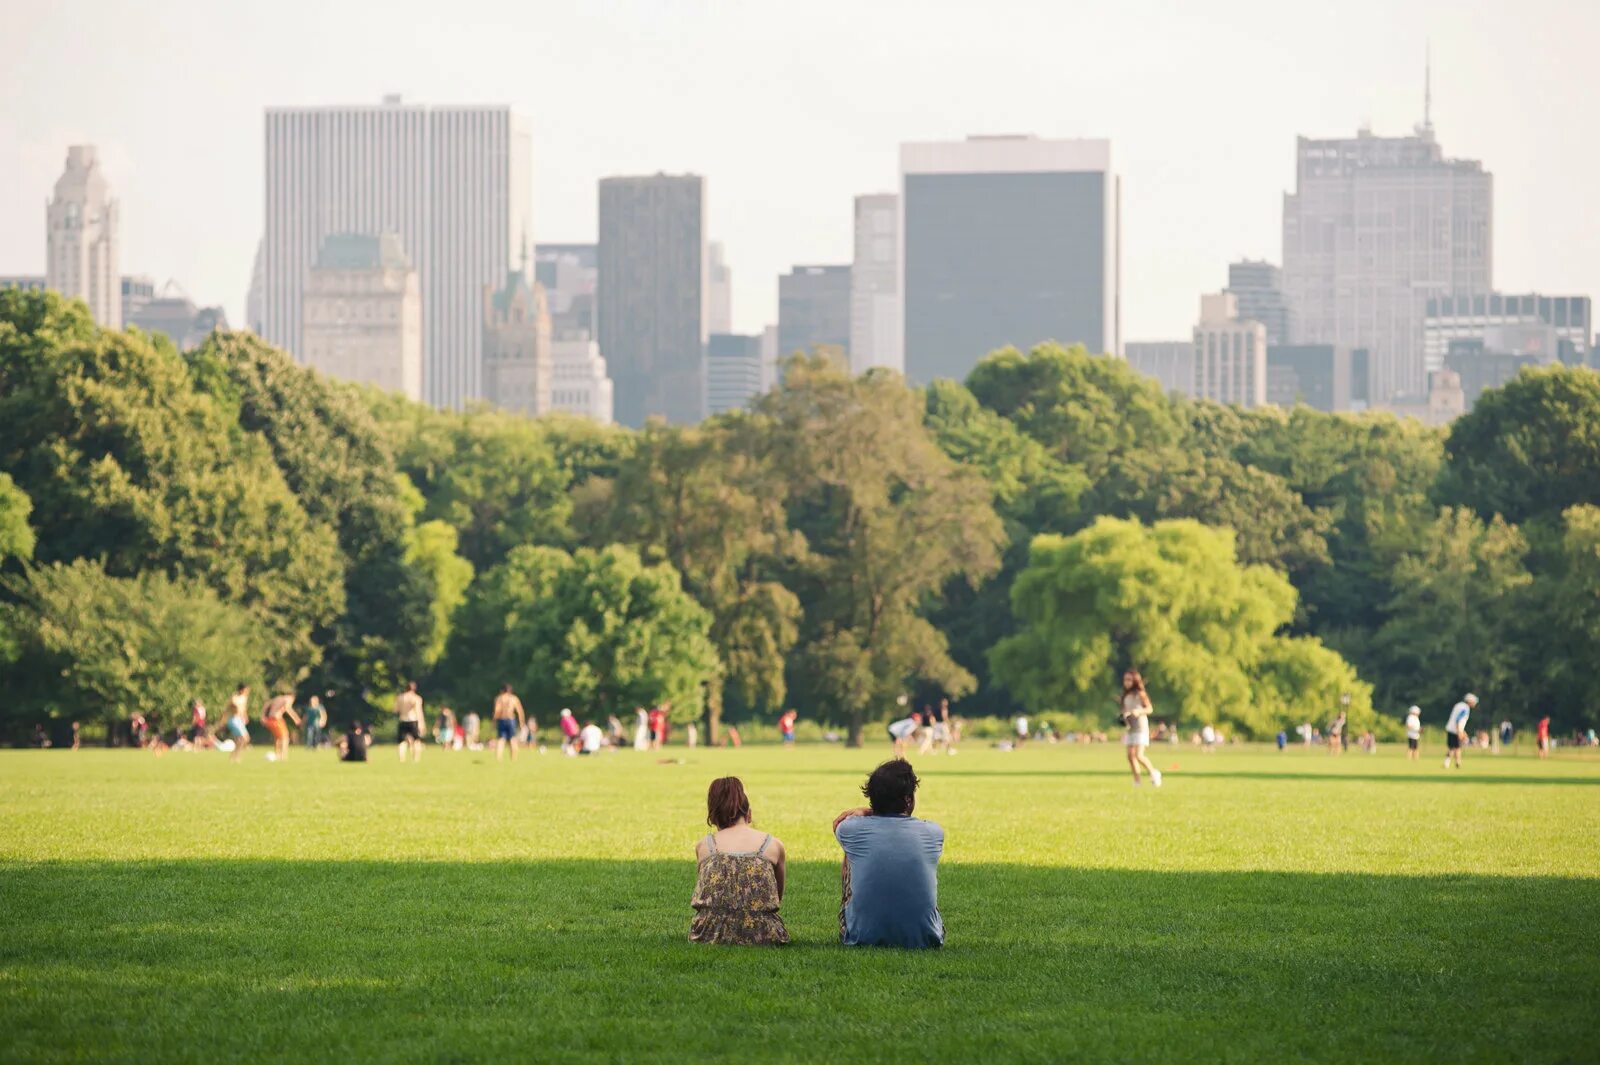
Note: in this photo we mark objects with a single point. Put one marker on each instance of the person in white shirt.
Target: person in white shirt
(1455, 730)
(590, 738)
(1134, 706)
(1413, 732)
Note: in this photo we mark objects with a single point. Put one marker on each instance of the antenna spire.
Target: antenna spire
(1427, 87)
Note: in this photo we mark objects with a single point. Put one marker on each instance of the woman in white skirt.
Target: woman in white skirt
(1135, 706)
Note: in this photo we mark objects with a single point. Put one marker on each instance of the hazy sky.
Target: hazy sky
(790, 109)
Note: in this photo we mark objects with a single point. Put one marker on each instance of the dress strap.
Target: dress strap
(711, 843)
(761, 849)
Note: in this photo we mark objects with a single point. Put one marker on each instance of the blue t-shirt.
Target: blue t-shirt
(894, 882)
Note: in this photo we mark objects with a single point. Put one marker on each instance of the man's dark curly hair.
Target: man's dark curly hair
(892, 788)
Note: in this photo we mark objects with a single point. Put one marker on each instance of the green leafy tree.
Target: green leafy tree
(1567, 625)
(16, 536)
(597, 631)
(1172, 601)
(1528, 450)
(1451, 623)
(340, 466)
(703, 500)
(115, 645)
(432, 551)
(127, 462)
(1034, 492)
(888, 520)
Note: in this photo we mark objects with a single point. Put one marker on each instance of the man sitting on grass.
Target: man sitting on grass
(890, 874)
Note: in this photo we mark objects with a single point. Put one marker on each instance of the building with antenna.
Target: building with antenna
(1376, 227)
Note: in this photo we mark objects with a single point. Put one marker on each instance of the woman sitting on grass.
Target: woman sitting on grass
(740, 883)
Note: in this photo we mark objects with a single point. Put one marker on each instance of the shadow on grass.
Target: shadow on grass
(934, 767)
(586, 960)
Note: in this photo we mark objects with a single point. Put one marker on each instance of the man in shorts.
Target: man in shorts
(239, 721)
(1413, 732)
(1455, 730)
(272, 715)
(408, 708)
(508, 723)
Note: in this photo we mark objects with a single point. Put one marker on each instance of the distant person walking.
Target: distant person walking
(197, 721)
(413, 723)
(1135, 707)
(786, 726)
(316, 723)
(509, 721)
(272, 715)
(1336, 742)
(569, 732)
(641, 731)
(1413, 732)
(1455, 730)
(740, 874)
(1542, 734)
(239, 721)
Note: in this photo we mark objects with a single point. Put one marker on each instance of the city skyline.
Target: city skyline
(1193, 200)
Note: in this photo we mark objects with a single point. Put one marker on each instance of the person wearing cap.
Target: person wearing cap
(1413, 732)
(1455, 730)
(569, 732)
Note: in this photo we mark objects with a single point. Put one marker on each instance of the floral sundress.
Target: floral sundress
(736, 898)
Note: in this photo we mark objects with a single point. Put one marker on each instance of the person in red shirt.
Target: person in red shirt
(1544, 737)
(658, 726)
(569, 732)
(786, 726)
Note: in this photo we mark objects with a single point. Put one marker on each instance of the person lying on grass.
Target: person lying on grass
(740, 882)
(890, 874)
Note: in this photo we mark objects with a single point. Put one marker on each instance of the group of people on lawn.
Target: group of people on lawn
(889, 878)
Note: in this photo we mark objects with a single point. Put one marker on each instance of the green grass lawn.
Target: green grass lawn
(1261, 906)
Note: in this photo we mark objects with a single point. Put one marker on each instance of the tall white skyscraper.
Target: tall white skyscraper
(1010, 240)
(455, 183)
(875, 311)
(1376, 227)
(81, 228)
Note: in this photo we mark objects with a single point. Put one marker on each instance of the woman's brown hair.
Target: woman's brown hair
(1138, 681)
(726, 803)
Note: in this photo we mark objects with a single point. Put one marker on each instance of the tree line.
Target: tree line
(173, 523)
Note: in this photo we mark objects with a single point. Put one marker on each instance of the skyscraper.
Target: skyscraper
(814, 309)
(362, 313)
(719, 290)
(1007, 241)
(570, 274)
(454, 183)
(1230, 354)
(652, 295)
(82, 239)
(1258, 288)
(1375, 227)
(875, 309)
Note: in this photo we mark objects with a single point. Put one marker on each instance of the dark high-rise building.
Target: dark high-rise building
(814, 309)
(1257, 287)
(652, 295)
(1322, 376)
(733, 371)
(1007, 241)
